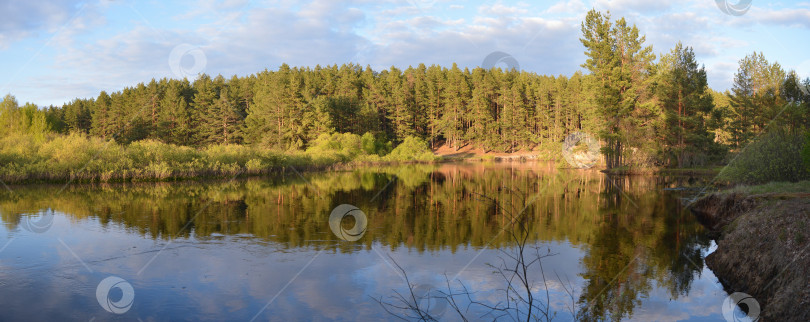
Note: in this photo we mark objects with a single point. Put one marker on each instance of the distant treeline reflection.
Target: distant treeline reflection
(427, 207)
(631, 231)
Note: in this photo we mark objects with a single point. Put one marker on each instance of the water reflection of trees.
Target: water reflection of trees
(644, 237)
(635, 235)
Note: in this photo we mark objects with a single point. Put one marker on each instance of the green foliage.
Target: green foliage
(373, 145)
(25, 120)
(411, 149)
(755, 100)
(85, 159)
(621, 64)
(217, 116)
(687, 105)
(646, 113)
(551, 151)
(289, 108)
(774, 156)
(772, 187)
(805, 154)
(346, 146)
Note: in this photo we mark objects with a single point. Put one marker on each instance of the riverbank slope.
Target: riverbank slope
(763, 246)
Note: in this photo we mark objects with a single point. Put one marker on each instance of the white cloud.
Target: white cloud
(240, 37)
(569, 7)
(636, 6)
(21, 19)
(324, 32)
(798, 18)
(238, 43)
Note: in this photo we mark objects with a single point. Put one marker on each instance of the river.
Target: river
(610, 247)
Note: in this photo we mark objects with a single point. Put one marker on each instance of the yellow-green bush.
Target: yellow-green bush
(774, 156)
(24, 158)
(411, 149)
(81, 158)
(342, 145)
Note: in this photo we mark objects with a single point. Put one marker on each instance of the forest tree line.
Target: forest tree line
(646, 110)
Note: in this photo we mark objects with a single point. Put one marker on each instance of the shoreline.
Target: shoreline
(664, 171)
(136, 176)
(762, 243)
(235, 170)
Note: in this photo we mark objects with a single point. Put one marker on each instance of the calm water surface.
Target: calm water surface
(263, 248)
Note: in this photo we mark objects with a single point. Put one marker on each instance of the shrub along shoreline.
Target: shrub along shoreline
(779, 155)
(82, 159)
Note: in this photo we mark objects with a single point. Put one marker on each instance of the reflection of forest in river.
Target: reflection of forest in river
(634, 234)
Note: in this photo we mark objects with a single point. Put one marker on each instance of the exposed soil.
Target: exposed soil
(763, 249)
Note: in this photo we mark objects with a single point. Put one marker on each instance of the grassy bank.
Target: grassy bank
(800, 187)
(78, 158)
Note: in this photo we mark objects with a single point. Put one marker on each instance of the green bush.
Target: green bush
(806, 151)
(81, 158)
(411, 149)
(344, 146)
(26, 157)
(774, 156)
(374, 145)
(255, 166)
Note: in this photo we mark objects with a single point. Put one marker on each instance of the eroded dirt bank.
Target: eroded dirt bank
(763, 249)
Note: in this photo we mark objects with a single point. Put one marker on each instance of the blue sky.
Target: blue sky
(54, 51)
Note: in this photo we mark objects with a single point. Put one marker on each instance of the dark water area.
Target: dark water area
(262, 249)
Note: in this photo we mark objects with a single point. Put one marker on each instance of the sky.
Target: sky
(54, 51)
